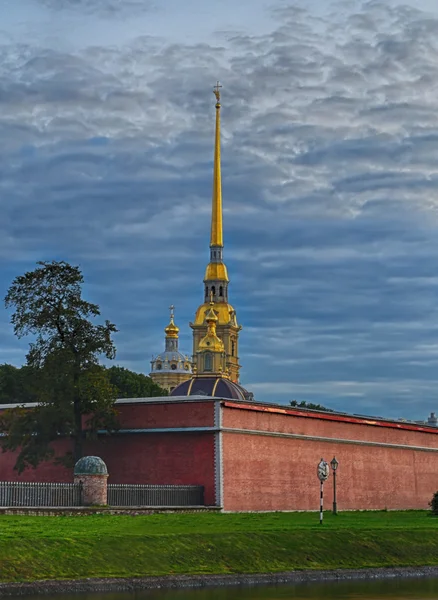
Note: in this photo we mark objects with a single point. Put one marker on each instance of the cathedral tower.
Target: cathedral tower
(216, 276)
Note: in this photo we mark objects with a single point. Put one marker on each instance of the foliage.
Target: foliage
(121, 546)
(133, 385)
(310, 405)
(434, 504)
(74, 393)
(17, 385)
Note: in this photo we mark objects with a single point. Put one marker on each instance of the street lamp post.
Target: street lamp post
(334, 464)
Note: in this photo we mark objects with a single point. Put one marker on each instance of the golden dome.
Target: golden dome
(171, 330)
(222, 310)
(216, 271)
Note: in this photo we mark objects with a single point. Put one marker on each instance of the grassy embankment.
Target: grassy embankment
(123, 546)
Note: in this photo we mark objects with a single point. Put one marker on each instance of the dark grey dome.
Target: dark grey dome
(90, 465)
(219, 387)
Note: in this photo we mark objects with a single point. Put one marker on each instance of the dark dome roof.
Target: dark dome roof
(90, 465)
(212, 386)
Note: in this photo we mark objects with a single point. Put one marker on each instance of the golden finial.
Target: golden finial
(216, 92)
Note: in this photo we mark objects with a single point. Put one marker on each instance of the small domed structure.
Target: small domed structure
(90, 465)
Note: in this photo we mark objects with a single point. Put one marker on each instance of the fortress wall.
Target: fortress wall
(284, 420)
(267, 472)
(169, 459)
(156, 458)
(159, 458)
(165, 414)
(46, 472)
(269, 456)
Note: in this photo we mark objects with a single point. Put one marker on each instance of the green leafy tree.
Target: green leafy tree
(10, 388)
(75, 395)
(310, 405)
(434, 504)
(16, 384)
(133, 385)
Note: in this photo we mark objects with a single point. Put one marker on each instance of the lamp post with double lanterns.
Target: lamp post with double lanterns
(334, 465)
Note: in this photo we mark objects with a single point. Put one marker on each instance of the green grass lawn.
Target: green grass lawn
(125, 546)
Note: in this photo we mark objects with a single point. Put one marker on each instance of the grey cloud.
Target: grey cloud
(330, 193)
(105, 8)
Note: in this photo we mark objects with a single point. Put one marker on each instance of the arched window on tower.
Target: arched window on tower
(233, 347)
(221, 291)
(213, 290)
(208, 363)
(206, 291)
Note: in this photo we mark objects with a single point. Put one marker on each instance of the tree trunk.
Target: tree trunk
(78, 446)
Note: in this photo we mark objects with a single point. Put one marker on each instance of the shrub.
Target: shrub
(434, 504)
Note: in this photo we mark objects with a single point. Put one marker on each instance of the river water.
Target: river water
(387, 589)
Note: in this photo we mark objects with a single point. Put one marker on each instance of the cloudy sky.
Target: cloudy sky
(330, 181)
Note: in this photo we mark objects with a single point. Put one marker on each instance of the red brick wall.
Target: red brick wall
(45, 473)
(175, 458)
(147, 416)
(164, 458)
(261, 472)
(275, 473)
(290, 423)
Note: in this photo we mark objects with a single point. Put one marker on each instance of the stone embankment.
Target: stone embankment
(200, 581)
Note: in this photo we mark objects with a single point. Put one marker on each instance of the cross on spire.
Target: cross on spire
(216, 91)
(171, 308)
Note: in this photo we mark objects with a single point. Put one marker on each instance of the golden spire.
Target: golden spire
(216, 238)
(171, 330)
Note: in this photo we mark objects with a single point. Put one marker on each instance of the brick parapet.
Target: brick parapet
(339, 427)
(165, 414)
